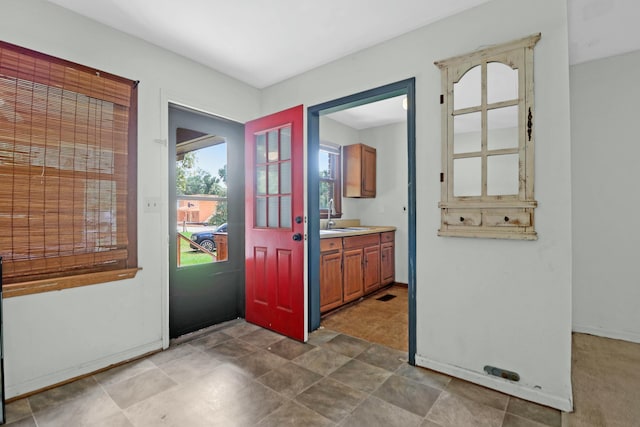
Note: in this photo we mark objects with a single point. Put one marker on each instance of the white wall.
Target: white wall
(53, 336)
(386, 208)
(605, 153)
(480, 301)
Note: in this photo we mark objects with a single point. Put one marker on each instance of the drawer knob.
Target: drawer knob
(461, 219)
(506, 219)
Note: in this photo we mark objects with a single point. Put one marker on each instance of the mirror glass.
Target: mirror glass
(502, 128)
(467, 177)
(467, 92)
(467, 130)
(502, 175)
(502, 82)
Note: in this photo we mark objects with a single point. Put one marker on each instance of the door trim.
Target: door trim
(403, 87)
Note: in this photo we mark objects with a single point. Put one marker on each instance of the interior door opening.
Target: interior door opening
(405, 89)
(379, 294)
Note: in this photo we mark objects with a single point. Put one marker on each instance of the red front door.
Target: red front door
(274, 248)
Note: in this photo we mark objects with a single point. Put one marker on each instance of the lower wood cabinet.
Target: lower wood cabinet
(330, 280)
(354, 266)
(387, 258)
(352, 277)
(371, 268)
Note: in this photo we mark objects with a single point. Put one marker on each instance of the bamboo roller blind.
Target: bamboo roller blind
(64, 135)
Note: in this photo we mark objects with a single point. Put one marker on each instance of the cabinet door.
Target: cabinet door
(368, 171)
(352, 279)
(359, 171)
(330, 280)
(371, 268)
(387, 263)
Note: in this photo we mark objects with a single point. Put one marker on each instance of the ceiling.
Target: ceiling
(262, 43)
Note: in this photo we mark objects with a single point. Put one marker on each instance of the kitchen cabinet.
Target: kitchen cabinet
(330, 274)
(371, 268)
(352, 277)
(362, 265)
(359, 171)
(354, 266)
(387, 258)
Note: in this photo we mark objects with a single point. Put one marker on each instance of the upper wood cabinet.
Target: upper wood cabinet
(488, 143)
(359, 170)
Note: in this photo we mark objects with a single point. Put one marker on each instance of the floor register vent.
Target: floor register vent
(502, 373)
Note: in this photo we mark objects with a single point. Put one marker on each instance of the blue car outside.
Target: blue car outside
(205, 238)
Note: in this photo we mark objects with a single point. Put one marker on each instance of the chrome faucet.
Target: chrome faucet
(329, 222)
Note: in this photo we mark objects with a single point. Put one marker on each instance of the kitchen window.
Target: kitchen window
(68, 172)
(330, 179)
(488, 143)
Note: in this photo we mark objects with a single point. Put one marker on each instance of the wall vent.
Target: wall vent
(502, 373)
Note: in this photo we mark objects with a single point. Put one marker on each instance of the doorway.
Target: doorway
(402, 88)
(206, 220)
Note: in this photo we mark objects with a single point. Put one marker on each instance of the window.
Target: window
(68, 173)
(330, 179)
(487, 143)
(273, 179)
(201, 189)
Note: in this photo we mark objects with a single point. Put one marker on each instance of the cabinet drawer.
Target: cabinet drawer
(330, 244)
(508, 219)
(358, 241)
(463, 218)
(387, 236)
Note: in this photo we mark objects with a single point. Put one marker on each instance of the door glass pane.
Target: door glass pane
(467, 93)
(273, 178)
(274, 216)
(201, 189)
(285, 143)
(261, 212)
(467, 178)
(285, 177)
(285, 212)
(261, 180)
(261, 148)
(502, 175)
(467, 130)
(502, 128)
(272, 145)
(502, 82)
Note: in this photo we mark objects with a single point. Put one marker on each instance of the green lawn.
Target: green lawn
(190, 256)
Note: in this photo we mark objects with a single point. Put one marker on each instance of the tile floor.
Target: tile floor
(238, 374)
(381, 322)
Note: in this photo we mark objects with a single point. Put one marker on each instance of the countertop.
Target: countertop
(354, 231)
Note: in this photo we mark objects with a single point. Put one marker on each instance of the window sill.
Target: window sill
(59, 283)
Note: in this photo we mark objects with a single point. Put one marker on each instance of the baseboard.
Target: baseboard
(606, 333)
(64, 376)
(498, 384)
